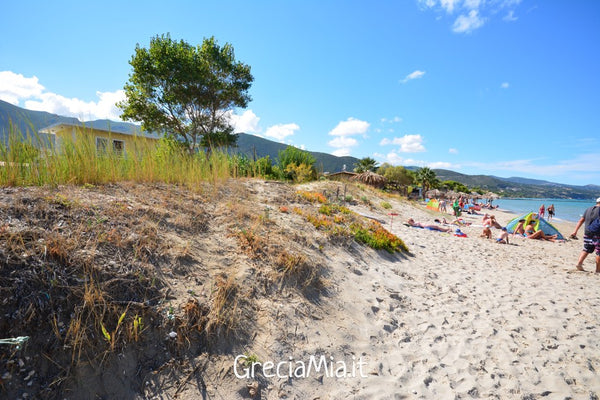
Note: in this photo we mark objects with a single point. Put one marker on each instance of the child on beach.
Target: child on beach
(487, 232)
(503, 237)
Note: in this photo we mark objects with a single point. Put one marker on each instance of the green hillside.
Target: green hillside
(521, 187)
(255, 146)
(30, 122)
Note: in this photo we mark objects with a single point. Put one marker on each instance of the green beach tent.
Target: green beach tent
(433, 204)
(540, 224)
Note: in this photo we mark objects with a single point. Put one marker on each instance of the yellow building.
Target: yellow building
(105, 136)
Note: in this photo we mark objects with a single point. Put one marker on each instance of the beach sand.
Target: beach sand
(457, 318)
(454, 318)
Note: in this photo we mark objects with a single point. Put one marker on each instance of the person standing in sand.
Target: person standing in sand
(590, 242)
(542, 211)
(551, 212)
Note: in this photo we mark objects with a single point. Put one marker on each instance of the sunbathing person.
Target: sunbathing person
(458, 221)
(533, 234)
(412, 223)
(520, 228)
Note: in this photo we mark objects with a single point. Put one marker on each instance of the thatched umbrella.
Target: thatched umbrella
(370, 178)
(451, 194)
(491, 196)
(433, 193)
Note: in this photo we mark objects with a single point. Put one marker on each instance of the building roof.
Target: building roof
(106, 126)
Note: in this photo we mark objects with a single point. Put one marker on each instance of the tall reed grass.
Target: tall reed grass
(77, 160)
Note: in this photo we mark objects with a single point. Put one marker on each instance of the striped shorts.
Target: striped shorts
(590, 244)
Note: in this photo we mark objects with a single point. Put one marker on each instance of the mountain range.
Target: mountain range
(29, 122)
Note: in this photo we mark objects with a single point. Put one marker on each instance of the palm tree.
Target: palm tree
(365, 164)
(426, 178)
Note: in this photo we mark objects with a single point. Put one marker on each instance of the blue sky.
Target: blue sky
(500, 87)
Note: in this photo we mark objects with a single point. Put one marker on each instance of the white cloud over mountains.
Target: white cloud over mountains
(343, 142)
(29, 93)
(407, 143)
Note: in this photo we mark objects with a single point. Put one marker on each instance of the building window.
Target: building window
(119, 147)
(101, 145)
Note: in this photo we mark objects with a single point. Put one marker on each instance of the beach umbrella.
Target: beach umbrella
(491, 195)
(433, 193)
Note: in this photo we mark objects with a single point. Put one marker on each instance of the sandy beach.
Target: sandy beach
(452, 318)
(458, 318)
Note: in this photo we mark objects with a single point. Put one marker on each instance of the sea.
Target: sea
(566, 210)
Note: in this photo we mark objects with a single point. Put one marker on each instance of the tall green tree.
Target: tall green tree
(186, 91)
(397, 174)
(426, 178)
(365, 164)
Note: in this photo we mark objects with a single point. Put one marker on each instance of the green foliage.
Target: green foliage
(456, 186)
(377, 237)
(426, 178)
(220, 139)
(397, 174)
(365, 164)
(185, 91)
(386, 205)
(297, 164)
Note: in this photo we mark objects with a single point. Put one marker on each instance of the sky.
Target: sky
(495, 87)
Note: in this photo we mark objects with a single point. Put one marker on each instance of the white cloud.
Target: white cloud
(281, 131)
(443, 165)
(468, 23)
(510, 16)
(105, 108)
(505, 85)
(472, 4)
(351, 126)
(341, 152)
(14, 87)
(245, 123)
(448, 5)
(580, 165)
(343, 142)
(407, 143)
(472, 14)
(392, 120)
(453, 151)
(413, 75)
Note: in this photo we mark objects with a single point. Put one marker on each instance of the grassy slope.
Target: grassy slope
(99, 276)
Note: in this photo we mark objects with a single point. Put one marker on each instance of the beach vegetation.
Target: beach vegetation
(426, 177)
(77, 161)
(296, 164)
(365, 164)
(185, 92)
